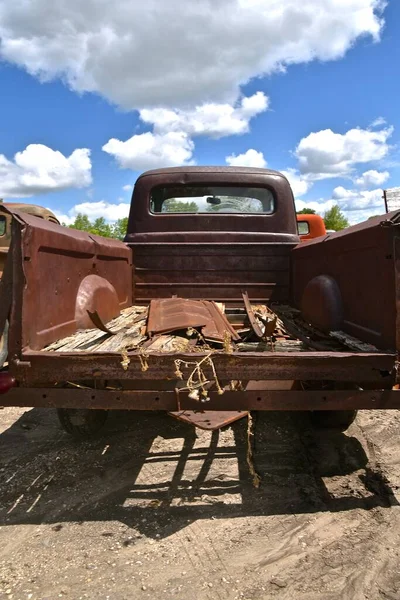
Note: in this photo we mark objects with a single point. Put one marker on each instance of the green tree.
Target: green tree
(82, 223)
(172, 205)
(100, 226)
(119, 228)
(306, 211)
(335, 219)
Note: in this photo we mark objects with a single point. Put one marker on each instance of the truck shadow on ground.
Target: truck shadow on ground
(156, 474)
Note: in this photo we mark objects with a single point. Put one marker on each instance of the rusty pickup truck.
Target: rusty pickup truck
(211, 256)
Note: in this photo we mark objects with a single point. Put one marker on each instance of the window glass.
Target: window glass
(303, 227)
(2, 225)
(211, 200)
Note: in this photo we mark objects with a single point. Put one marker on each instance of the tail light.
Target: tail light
(6, 382)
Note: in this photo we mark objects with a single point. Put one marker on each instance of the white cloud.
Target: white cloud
(211, 119)
(356, 205)
(127, 188)
(320, 206)
(378, 122)
(176, 53)
(170, 143)
(39, 169)
(351, 200)
(299, 184)
(325, 154)
(372, 178)
(151, 150)
(110, 211)
(250, 158)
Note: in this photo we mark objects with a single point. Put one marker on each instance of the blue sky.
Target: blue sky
(90, 98)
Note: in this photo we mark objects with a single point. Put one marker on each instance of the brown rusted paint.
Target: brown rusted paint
(95, 295)
(6, 211)
(97, 322)
(47, 278)
(174, 314)
(166, 400)
(212, 256)
(209, 420)
(38, 367)
(143, 226)
(253, 321)
(321, 304)
(360, 259)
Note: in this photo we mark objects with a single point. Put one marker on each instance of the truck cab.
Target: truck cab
(310, 226)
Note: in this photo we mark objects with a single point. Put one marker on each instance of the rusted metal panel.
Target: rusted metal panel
(6, 292)
(218, 272)
(253, 321)
(54, 262)
(174, 314)
(212, 256)
(209, 420)
(167, 400)
(360, 260)
(6, 211)
(145, 227)
(39, 367)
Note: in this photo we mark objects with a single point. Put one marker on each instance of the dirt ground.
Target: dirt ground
(156, 509)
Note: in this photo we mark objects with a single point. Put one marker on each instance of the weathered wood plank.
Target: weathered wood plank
(127, 327)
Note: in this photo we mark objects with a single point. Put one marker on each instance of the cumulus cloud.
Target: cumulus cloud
(372, 178)
(158, 53)
(320, 206)
(171, 144)
(350, 200)
(110, 211)
(151, 150)
(250, 158)
(211, 119)
(299, 184)
(127, 188)
(356, 205)
(325, 154)
(39, 169)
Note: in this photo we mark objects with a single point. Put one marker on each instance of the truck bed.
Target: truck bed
(174, 371)
(57, 277)
(128, 332)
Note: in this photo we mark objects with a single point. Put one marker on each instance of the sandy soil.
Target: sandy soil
(155, 509)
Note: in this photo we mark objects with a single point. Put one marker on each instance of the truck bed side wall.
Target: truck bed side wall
(50, 264)
(362, 261)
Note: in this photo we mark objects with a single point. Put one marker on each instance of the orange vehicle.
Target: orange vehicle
(310, 227)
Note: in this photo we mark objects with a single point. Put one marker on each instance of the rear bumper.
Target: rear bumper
(39, 368)
(173, 400)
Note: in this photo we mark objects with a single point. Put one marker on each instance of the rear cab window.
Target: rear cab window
(196, 199)
(303, 227)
